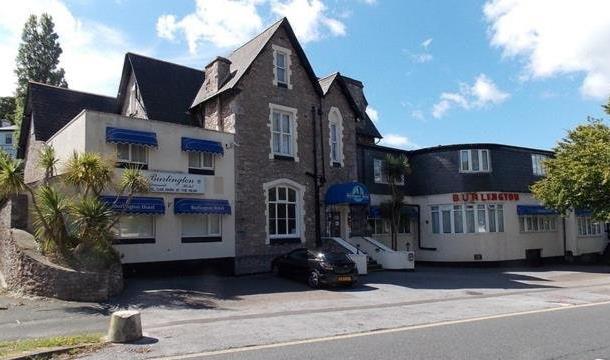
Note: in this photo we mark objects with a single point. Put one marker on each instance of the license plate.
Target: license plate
(344, 278)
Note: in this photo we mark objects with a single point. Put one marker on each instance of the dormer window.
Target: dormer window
(475, 160)
(281, 67)
(132, 108)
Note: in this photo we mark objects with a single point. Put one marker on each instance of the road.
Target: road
(580, 332)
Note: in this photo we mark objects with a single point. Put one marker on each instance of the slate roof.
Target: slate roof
(242, 57)
(365, 126)
(166, 89)
(53, 107)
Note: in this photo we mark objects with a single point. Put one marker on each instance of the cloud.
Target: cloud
(224, 23)
(230, 23)
(424, 56)
(555, 38)
(482, 93)
(308, 18)
(418, 115)
(92, 52)
(372, 113)
(398, 141)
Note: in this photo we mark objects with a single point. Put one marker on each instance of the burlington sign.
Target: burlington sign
(166, 182)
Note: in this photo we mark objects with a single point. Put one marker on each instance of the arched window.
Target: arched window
(335, 125)
(284, 210)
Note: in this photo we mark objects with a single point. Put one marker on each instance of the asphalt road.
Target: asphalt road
(581, 333)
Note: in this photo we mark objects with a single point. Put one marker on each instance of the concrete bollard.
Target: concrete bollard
(125, 326)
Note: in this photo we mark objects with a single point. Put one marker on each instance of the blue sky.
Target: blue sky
(435, 72)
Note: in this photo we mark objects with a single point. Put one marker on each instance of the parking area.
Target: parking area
(205, 299)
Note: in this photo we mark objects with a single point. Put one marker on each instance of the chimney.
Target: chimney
(216, 73)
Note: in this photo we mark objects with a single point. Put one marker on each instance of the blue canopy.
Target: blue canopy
(353, 193)
(534, 210)
(126, 136)
(209, 146)
(137, 205)
(201, 206)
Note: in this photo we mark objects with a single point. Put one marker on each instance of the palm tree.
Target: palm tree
(88, 172)
(53, 207)
(395, 168)
(48, 162)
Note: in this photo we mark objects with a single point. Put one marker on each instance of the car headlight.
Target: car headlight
(326, 266)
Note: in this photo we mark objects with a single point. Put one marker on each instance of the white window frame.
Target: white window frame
(201, 165)
(587, 227)
(288, 64)
(335, 118)
(538, 168)
(292, 114)
(130, 160)
(299, 214)
(470, 155)
(538, 223)
(208, 233)
(117, 228)
(479, 213)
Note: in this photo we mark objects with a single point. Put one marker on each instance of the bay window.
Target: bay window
(459, 219)
(588, 227)
(538, 223)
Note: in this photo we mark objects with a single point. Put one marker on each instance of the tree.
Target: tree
(37, 59)
(395, 169)
(7, 108)
(71, 223)
(578, 177)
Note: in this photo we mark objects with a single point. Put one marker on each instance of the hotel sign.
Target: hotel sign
(485, 196)
(166, 182)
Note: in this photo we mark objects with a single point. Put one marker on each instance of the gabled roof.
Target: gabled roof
(365, 126)
(53, 107)
(166, 89)
(243, 57)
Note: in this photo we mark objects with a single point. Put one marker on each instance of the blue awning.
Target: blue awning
(137, 205)
(208, 146)
(534, 210)
(126, 136)
(582, 212)
(201, 206)
(353, 193)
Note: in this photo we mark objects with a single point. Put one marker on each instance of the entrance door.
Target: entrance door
(335, 223)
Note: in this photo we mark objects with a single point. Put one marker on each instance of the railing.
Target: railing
(382, 254)
(358, 256)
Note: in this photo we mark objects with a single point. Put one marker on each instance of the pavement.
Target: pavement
(193, 314)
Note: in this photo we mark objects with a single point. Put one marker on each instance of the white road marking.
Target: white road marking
(376, 332)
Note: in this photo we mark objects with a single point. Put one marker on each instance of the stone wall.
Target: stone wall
(27, 272)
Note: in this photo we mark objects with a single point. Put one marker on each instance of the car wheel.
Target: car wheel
(314, 280)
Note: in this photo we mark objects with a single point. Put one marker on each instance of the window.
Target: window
(9, 139)
(538, 223)
(201, 160)
(335, 124)
(132, 154)
(475, 160)
(383, 226)
(459, 219)
(282, 207)
(201, 228)
(135, 227)
(380, 174)
(538, 164)
(404, 225)
(283, 132)
(588, 227)
(281, 67)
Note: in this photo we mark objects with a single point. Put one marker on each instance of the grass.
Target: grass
(19, 347)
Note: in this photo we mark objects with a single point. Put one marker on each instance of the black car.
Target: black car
(317, 268)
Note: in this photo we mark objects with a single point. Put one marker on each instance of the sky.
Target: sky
(436, 72)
